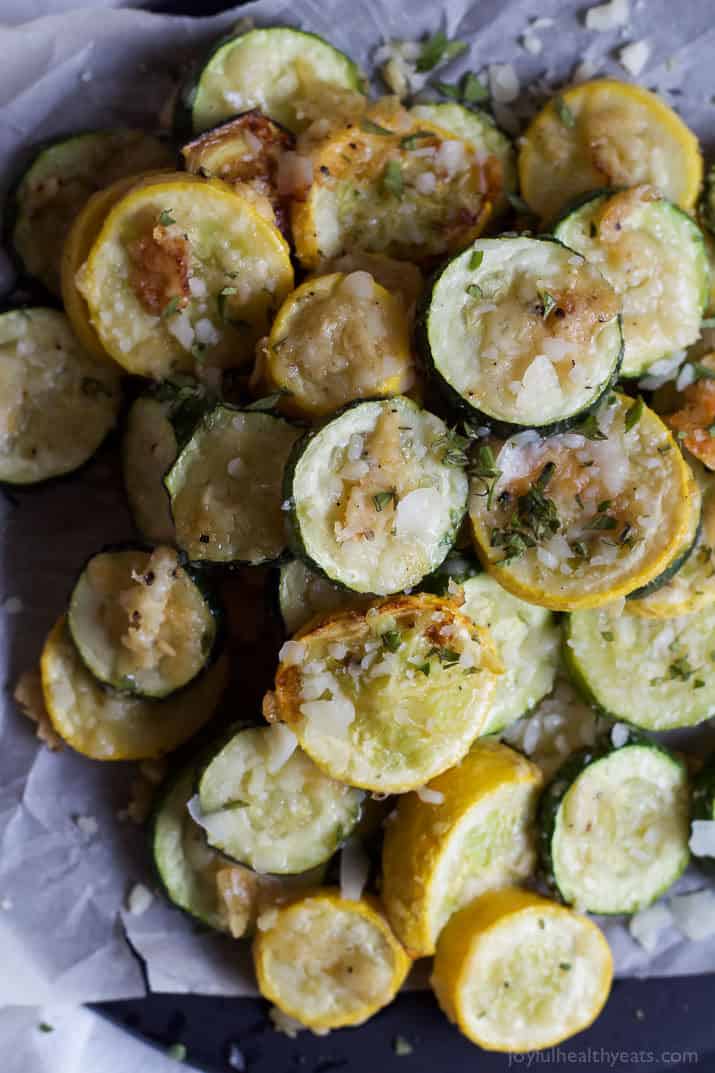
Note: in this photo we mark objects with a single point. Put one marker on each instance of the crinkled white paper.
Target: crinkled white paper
(62, 890)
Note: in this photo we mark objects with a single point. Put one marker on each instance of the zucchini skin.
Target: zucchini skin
(703, 806)
(670, 571)
(560, 785)
(472, 414)
(211, 599)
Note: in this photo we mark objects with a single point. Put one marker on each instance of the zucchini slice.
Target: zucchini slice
(303, 595)
(474, 830)
(335, 339)
(478, 129)
(328, 962)
(518, 972)
(607, 133)
(400, 278)
(703, 808)
(653, 255)
(388, 698)
(104, 725)
(373, 504)
(142, 623)
(225, 487)
(197, 879)
(184, 272)
(693, 421)
(527, 640)
(615, 826)
(57, 183)
(584, 517)
(158, 421)
(264, 803)
(246, 153)
(522, 332)
(291, 76)
(58, 404)
(657, 674)
(401, 186)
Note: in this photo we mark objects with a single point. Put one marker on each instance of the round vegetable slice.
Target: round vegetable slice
(328, 962)
(615, 826)
(264, 803)
(157, 423)
(194, 272)
(388, 698)
(303, 594)
(400, 278)
(581, 518)
(58, 404)
(290, 75)
(522, 332)
(141, 622)
(111, 726)
(527, 641)
(57, 183)
(607, 133)
(472, 829)
(225, 487)
(657, 674)
(653, 255)
(335, 339)
(478, 129)
(375, 504)
(397, 185)
(246, 153)
(517, 972)
(197, 879)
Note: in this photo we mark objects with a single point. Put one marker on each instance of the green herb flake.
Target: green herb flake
(579, 549)
(605, 504)
(702, 372)
(391, 640)
(438, 49)
(177, 1051)
(707, 322)
(446, 656)
(165, 218)
(548, 303)
(392, 179)
(425, 668)
(448, 89)
(401, 1046)
(603, 521)
(172, 306)
(475, 260)
(534, 520)
(564, 112)
(473, 90)
(412, 141)
(681, 668)
(607, 635)
(198, 352)
(371, 127)
(698, 684)
(45, 1027)
(711, 430)
(565, 966)
(268, 402)
(381, 499)
(223, 294)
(474, 290)
(590, 429)
(634, 414)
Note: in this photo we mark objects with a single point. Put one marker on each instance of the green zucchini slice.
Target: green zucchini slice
(522, 332)
(158, 422)
(615, 825)
(303, 594)
(373, 503)
(60, 179)
(290, 75)
(225, 487)
(198, 879)
(527, 641)
(657, 674)
(245, 152)
(141, 622)
(58, 403)
(263, 802)
(653, 255)
(583, 517)
(477, 128)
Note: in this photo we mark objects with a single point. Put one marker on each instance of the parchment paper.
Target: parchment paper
(62, 924)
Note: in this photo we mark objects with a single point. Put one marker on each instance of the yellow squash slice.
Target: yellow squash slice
(386, 699)
(328, 962)
(338, 338)
(607, 133)
(184, 273)
(111, 726)
(517, 972)
(471, 830)
(581, 518)
(403, 187)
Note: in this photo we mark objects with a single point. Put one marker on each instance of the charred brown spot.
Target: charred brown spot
(159, 268)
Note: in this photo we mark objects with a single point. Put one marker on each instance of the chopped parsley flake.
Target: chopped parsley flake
(381, 499)
(548, 303)
(564, 112)
(165, 218)
(412, 141)
(439, 49)
(590, 429)
(634, 414)
(268, 402)
(392, 179)
(172, 306)
(474, 290)
(475, 260)
(473, 90)
(391, 640)
(371, 127)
